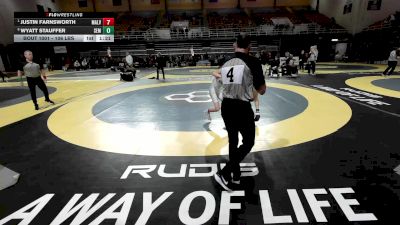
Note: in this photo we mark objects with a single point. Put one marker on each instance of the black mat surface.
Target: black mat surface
(360, 157)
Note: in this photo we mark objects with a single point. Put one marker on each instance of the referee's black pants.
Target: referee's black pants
(37, 81)
(391, 66)
(162, 70)
(2, 76)
(239, 118)
(311, 67)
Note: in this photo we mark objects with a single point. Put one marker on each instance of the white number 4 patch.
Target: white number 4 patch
(232, 74)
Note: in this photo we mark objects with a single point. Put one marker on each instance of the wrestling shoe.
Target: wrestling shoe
(222, 182)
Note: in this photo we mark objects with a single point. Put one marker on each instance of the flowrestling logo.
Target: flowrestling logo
(118, 206)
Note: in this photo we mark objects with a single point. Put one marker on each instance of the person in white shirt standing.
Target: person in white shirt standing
(312, 59)
(392, 62)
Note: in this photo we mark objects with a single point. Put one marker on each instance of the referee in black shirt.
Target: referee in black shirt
(160, 63)
(241, 75)
(35, 75)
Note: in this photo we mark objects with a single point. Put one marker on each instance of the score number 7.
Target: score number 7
(108, 21)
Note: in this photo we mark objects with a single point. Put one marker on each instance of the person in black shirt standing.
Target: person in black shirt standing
(160, 63)
(35, 76)
(241, 76)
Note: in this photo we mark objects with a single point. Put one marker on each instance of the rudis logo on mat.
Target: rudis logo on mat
(195, 170)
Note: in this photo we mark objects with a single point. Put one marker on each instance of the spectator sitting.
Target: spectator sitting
(84, 64)
(77, 65)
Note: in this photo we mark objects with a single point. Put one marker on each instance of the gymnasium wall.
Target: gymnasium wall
(220, 4)
(136, 5)
(369, 17)
(270, 3)
(256, 3)
(184, 4)
(335, 9)
(107, 5)
(146, 5)
(72, 6)
(360, 17)
(280, 3)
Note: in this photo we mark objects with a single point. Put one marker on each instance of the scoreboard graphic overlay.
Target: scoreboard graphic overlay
(63, 27)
